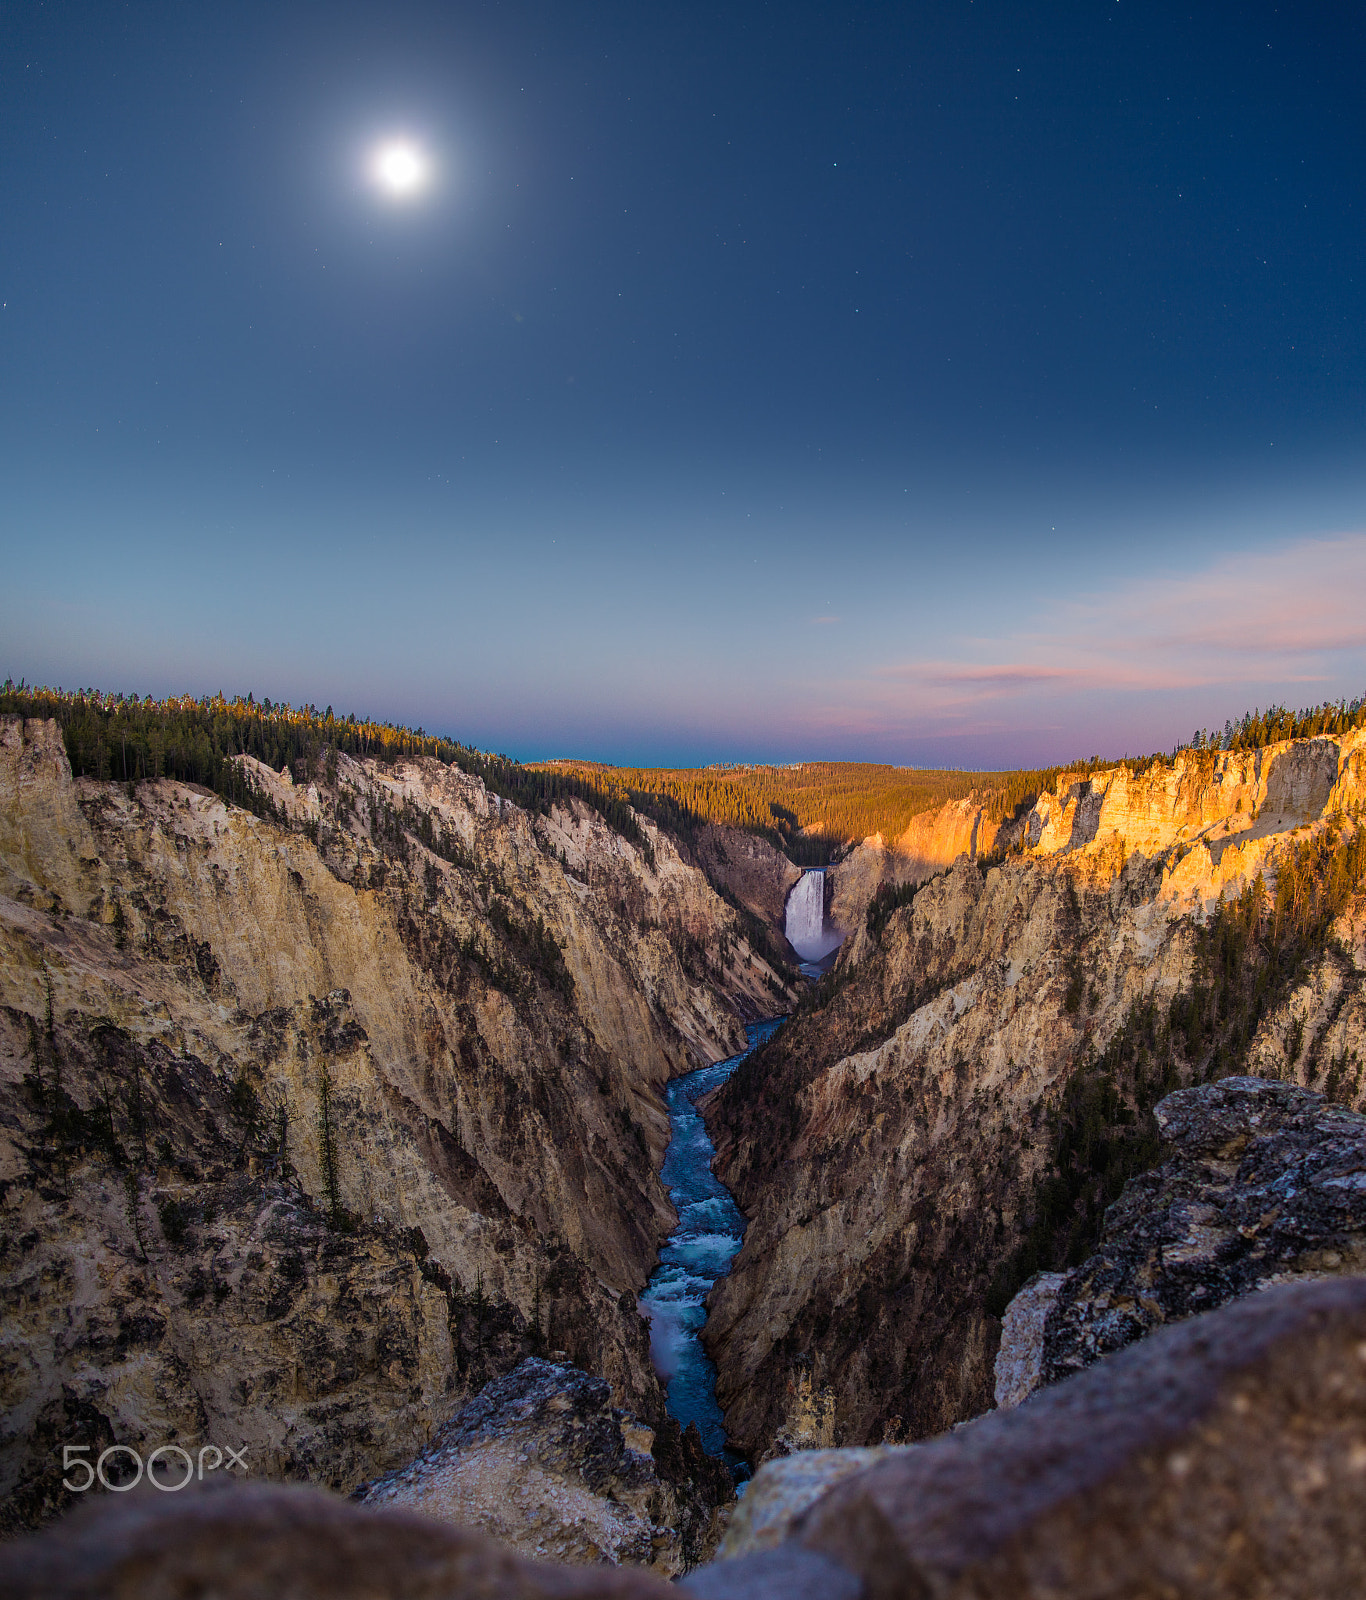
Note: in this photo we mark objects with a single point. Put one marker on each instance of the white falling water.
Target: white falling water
(805, 925)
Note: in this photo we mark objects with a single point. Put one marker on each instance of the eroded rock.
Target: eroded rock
(311, 1125)
(753, 873)
(894, 1145)
(541, 1461)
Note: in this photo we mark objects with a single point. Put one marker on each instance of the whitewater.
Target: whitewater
(710, 1230)
(804, 923)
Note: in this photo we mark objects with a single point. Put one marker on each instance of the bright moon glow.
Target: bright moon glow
(400, 169)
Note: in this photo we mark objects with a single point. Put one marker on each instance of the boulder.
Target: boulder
(1019, 1358)
(1225, 1456)
(269, 1542)
(542, 1461)
(782, 1490)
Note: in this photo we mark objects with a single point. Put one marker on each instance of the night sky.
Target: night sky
(957, 383)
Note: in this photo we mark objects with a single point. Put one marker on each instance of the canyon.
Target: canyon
(323, 1118)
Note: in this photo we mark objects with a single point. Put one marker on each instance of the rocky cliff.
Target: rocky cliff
(313, 1122)
(970, 1086)
(1262, 1182)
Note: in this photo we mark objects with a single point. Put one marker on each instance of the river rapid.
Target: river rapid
(698, 1252)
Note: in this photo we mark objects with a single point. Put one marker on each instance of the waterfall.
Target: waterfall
(805, 925)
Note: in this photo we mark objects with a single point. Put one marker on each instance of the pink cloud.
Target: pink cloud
(1306, 598)
(1280, 615)
(1003, 678)
(1103, 667)
(1293, 616)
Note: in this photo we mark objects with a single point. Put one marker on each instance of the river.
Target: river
(697, 1253)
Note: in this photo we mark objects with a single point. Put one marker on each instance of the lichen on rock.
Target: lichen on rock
(1263, 1183)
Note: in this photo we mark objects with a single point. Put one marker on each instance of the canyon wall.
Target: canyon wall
(753, 873)
(893, 1144)
(1218, 800)
(311, 1123)
(929, 843)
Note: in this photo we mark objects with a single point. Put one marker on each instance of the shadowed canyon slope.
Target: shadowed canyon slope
(963, 1094)
(311, 1125)
(755, 875)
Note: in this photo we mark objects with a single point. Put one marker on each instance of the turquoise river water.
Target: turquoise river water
(710, 1230)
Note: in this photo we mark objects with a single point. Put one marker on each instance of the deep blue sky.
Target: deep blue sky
(946, 383)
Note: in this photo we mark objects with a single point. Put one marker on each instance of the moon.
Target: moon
(400, 169)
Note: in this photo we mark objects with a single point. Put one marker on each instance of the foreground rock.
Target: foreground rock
(541, 1461)
(1263, 1182)
(1019, 1359)
(273, 1542)
(783, 1489)
(1222, 1458)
